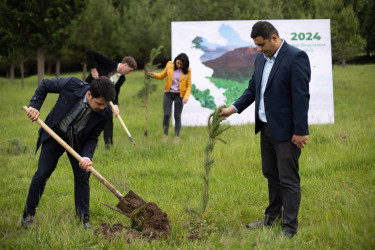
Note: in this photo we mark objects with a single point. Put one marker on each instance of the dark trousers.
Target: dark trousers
(168, 100)
(108, 133)
(280, 167)
(49, 156)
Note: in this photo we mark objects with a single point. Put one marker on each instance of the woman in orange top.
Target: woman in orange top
(177, 89)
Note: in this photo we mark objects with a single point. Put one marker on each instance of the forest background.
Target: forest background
(50, 37)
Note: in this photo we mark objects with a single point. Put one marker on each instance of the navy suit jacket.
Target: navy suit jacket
(71, 90)
(104, 65)
(286, 97)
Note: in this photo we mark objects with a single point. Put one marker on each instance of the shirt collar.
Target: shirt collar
(85, 97)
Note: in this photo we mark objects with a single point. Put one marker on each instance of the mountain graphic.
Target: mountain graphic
(237, 64)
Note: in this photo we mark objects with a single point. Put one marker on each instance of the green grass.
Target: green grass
(336, 168)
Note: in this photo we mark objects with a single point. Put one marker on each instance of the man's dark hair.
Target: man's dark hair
(130, 61)
(103, 87)
(263, 29)
(185, 61)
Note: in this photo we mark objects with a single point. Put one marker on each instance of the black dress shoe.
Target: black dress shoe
(27, 221)
(86, 226)
(265, 222)
(257, 224)
(288, 234)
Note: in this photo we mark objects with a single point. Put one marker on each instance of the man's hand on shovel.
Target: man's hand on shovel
(85, 164)
(115, 110)
(33, 114)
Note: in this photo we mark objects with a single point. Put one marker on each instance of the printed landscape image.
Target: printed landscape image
(232, 65)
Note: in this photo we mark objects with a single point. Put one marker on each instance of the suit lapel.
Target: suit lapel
(277, 62)
(261, 68)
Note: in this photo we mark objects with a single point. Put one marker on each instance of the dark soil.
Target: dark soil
(148, 220)
(109, 232)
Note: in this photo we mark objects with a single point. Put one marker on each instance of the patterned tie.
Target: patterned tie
(75, 121)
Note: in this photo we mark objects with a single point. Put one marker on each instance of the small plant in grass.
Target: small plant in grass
(215, 129)
(148, 86)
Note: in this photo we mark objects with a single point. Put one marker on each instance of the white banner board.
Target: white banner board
(222, 55)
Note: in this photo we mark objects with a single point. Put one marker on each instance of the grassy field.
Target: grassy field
(337, 171)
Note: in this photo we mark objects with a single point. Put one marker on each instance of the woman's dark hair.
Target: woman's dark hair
(103, 87)
(263, 29)
(185, 61)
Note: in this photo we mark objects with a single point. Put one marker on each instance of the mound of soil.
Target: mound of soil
(148, 220)
(156, 221)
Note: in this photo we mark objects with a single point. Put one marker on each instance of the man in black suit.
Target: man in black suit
(101, 65)
(78, 117)
(280, 88)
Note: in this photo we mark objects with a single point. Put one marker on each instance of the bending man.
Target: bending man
(78, 117)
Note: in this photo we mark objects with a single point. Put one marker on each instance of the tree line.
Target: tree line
(49, 31)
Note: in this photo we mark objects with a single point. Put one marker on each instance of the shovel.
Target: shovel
(129, 205)
(123, 124)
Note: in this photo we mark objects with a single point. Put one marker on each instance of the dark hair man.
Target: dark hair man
(78, 117)
(280, 88)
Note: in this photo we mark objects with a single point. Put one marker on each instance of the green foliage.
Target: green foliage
(215, 129)
(95, 29)
(204, 97)
(346, 39)
(145, 24)
(200, 224)
(367, 22)
(38, 23)
(149, 87)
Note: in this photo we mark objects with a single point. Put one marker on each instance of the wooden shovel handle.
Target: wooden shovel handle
(77, 156)
(122, 124)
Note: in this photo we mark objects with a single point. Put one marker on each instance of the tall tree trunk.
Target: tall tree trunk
(49, 66)
(40, 57)
(58, 66)
(343, 63)
(22, 69)
(84, 72)
(11, 72)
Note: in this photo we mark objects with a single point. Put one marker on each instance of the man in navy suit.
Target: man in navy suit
(101, 65)
(280, 88)
(78, 117)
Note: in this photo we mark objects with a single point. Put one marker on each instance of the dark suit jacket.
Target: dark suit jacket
(104, 65)
(71, 90)
(286, 97)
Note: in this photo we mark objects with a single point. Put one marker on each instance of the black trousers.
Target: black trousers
(280, 167)
(49, 156)
(108, 133)
(168, 100)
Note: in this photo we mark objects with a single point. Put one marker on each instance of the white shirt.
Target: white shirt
(114, 78)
